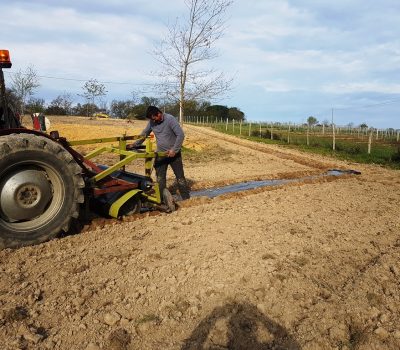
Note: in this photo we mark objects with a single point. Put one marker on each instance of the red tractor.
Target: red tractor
(44, 182)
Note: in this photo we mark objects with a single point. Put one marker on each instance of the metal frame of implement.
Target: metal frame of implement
(101, 180)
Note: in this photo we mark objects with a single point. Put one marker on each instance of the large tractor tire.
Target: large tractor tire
(40, 189)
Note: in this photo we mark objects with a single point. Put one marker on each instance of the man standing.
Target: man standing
(169, 136)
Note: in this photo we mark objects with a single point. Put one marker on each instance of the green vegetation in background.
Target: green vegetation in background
(351, 148)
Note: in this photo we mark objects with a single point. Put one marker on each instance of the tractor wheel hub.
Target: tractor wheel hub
(25, 195)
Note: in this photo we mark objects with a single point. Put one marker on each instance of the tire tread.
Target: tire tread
(13, 143)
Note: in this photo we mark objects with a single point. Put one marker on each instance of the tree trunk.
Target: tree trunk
(181, 97)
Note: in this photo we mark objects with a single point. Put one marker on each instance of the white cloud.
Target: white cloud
(360, 87)
(69, 41)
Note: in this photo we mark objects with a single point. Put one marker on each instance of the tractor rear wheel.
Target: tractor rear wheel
(40, 189)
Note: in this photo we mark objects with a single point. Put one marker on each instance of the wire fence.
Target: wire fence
(347, 138)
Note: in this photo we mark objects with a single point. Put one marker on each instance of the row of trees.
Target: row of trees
(130, 109)
(127, 109)
(24, 83)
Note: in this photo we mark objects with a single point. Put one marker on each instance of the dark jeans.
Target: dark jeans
(161, 165)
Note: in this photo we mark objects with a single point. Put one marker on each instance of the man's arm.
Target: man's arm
(180, 135)
(145, 132)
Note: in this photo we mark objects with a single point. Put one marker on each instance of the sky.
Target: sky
(290, 59)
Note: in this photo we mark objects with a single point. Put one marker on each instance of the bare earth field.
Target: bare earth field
(310, 265)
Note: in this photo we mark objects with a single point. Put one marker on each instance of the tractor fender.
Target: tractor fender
(22, 130)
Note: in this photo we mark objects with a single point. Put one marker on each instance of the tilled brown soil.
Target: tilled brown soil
(311, 265)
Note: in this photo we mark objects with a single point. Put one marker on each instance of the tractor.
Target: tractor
(45, 184)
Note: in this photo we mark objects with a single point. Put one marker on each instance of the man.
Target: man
(169, 136)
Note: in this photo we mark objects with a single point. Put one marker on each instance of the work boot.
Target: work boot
(183, 188)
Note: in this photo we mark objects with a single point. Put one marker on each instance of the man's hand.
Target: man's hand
(171, 153)
(134, 146)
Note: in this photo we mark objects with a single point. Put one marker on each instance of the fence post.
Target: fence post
(260, 129)
(250, 129)
(240, 128)
(272, 131)
(377, 133)
(308, 135)
(333, 137)
(398, 135)
(288, 134)
(369, 142)
(233, 126)
(226, 127)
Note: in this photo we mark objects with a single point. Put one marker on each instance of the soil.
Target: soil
(310, 265)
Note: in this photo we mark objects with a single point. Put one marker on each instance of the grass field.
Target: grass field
(350, 144)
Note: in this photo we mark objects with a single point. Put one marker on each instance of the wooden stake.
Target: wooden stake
(369, 142)
(333, 137)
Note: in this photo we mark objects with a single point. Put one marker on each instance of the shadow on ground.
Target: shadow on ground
(239, 326)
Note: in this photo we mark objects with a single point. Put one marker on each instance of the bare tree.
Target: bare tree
(326, 122)
(92, 89)
(61, 105)
(189, 42)
(135, 96)
(67, 101)
(24, 82)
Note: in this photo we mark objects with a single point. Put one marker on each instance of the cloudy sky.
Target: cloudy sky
(290, 59)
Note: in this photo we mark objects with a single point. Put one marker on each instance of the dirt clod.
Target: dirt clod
(119, 339)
